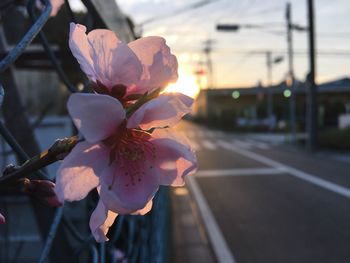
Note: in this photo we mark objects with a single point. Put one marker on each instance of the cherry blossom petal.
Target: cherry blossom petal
(159, 65)
(110, 199)
(166, 110)
(79, 45)
(133, 194)
(114, 62)
(2, 219)
(175, 158)
(144, 210)
(56, 5)
(96, 116)
(78, 173)
(100, 221)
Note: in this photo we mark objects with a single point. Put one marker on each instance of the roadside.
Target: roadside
(189, 240)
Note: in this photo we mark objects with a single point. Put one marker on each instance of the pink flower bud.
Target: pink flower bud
(2, 219)
(43, 190)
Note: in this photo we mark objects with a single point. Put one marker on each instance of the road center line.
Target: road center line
(242, 144)
(220, 247)
(341, 190)
(238, 172)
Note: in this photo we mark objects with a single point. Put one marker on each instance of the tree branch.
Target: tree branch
(57, 151)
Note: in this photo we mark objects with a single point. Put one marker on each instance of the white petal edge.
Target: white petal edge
(79, 47)
(78, 172)
(163, 111)
(96, 116)
(100, 221)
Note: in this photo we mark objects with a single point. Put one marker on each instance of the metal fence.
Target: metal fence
(133, 238)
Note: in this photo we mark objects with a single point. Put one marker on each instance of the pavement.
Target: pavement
(259, 201)
(190, 242)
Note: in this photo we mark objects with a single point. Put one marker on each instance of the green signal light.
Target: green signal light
(235, 94)
(287, 93)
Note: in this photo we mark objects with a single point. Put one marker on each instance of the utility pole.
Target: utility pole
(269, 85)
(291, 83)
(207, 51)
(312, 103)
(269, 63)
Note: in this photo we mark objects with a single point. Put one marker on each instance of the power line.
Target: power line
(179, 11)
(266, 11)
(325, 52)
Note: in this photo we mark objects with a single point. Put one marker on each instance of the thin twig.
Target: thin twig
(56, 152)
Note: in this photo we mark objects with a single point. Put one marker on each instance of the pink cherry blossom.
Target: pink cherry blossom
(119, 157)
(56, 5)
(2, 219)
(120, 69)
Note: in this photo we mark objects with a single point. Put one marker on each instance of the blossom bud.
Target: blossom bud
(43, 190)
(2, 219)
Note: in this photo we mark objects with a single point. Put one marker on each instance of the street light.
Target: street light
(226, 27)
(235, 27)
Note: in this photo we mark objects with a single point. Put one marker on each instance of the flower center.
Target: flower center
(133, 152)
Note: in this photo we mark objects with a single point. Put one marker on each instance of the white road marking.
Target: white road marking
(220, 247)
(258, 144)
(238, 172)
(242, 144)
(341, 190)
(262, 145)
(209, 145)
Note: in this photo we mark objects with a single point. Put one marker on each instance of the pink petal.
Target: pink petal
(79, 171)
(2, 219)
(100, 222)
(114, 61)
(159, 65)
(56, 5)
(166, 110)
(144, 210)
(80, 48)
(174, 156)
(132, 195)
(96, 116)
(110, 199)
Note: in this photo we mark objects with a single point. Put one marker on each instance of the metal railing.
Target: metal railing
(136, 238)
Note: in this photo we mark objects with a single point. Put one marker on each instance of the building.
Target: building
(237, 107)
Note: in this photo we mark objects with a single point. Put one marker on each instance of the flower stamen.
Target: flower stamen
(133, 151)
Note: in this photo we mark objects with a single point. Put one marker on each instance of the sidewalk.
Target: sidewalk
(190, 243)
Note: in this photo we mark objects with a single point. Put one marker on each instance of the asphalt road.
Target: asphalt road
(267, 202)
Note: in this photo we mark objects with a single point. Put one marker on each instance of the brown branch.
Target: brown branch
(56, 152)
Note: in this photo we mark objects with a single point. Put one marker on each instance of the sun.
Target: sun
(186, 84)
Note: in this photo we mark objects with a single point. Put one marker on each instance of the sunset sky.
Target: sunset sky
(239, 57)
